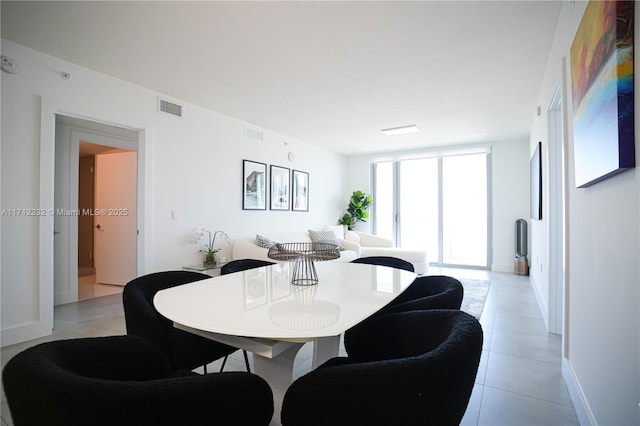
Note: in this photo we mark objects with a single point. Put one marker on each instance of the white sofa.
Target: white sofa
(372, 245)
(246, 248)
(356, 244)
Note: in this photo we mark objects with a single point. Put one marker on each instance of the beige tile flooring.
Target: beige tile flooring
(88, 288)
(519, 381)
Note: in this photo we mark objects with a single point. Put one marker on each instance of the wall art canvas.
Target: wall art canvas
(300, 191)
(254, 185)
(280, 184)
(602, 92)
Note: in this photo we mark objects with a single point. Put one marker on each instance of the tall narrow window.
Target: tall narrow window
(464, 210)
(419, 205)
(438, 203)
(384, 204)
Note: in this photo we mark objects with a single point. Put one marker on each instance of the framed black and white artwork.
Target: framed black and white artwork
(280, 184)
(254, 185)
(300, 191)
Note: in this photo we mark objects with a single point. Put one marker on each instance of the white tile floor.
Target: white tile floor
(88, 288)
(519, 381)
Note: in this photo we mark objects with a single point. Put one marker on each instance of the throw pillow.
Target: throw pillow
(352, 236)
(338, 230)
(264, 242)
(325, 237)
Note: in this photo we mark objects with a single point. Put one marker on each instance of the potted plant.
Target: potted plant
(208, 240)
(357, 210)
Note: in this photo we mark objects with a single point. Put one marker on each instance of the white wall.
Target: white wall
(601, 342)
(193, 165)
(510, 193)
(510, 199)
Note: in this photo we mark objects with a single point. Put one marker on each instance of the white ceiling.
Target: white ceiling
(329, 73)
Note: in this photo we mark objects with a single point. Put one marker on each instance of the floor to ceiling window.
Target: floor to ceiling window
(439, 203)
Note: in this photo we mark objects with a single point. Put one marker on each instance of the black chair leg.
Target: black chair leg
(224, 361)
(205, 368)
(246, 360)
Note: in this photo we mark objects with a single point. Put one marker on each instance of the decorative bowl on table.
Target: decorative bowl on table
(302, 255)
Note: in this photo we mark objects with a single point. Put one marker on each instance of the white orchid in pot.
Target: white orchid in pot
(208, 239)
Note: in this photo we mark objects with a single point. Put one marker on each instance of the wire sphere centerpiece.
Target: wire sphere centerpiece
(303, 255)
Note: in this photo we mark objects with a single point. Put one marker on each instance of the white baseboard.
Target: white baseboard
(542, 304)
(508, 268)
(23, 333)
(580, 404)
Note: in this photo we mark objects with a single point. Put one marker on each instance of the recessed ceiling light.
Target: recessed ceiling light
(400, 130)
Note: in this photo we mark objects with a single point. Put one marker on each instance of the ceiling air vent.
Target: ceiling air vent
(169, 107)
(252, 133)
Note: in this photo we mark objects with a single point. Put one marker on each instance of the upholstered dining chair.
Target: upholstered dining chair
(391, 261)
(238, 265)
(426, 292)
(184, 350)
(126, 380)
(422, 363)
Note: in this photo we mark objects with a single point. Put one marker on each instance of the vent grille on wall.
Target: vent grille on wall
(252, 133)
(169, 107)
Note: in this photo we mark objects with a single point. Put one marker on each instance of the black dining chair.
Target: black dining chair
(238, 265)
(408, 368)
(391, 261)
(426, 292)
(126, 380)
(185, 350)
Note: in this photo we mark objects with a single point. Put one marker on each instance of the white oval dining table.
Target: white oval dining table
(259, 310)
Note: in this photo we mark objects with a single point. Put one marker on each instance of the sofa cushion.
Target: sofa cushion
(325, 237)
(352, 236)
(264, 242)
(338, 230)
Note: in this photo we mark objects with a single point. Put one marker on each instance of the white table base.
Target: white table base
(275, 358)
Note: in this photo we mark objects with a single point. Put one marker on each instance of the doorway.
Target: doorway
(104, 180)
(95, 226)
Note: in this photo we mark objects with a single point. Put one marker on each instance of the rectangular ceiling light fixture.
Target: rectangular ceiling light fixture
(400, 130)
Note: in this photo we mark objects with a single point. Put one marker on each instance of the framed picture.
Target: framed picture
(280, 184)
(254, 185)
(602, 92)
(300, 194)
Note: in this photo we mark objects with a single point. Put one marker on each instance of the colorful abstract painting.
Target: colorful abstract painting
(602, 92)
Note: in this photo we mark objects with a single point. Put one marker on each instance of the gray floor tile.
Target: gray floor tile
(527, 377)
(542, 347)
(472, 414)
(505, 408)
(482, 368)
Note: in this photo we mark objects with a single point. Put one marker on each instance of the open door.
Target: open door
(114, 217)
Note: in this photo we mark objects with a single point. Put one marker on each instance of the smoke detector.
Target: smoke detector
(9, 65)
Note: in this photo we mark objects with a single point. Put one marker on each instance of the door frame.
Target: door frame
(43, 326)
(96, 138)
(556, 227)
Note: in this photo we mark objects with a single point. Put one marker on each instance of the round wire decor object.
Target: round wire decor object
(303, 255)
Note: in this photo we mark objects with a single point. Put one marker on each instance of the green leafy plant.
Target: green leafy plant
(357, 209)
